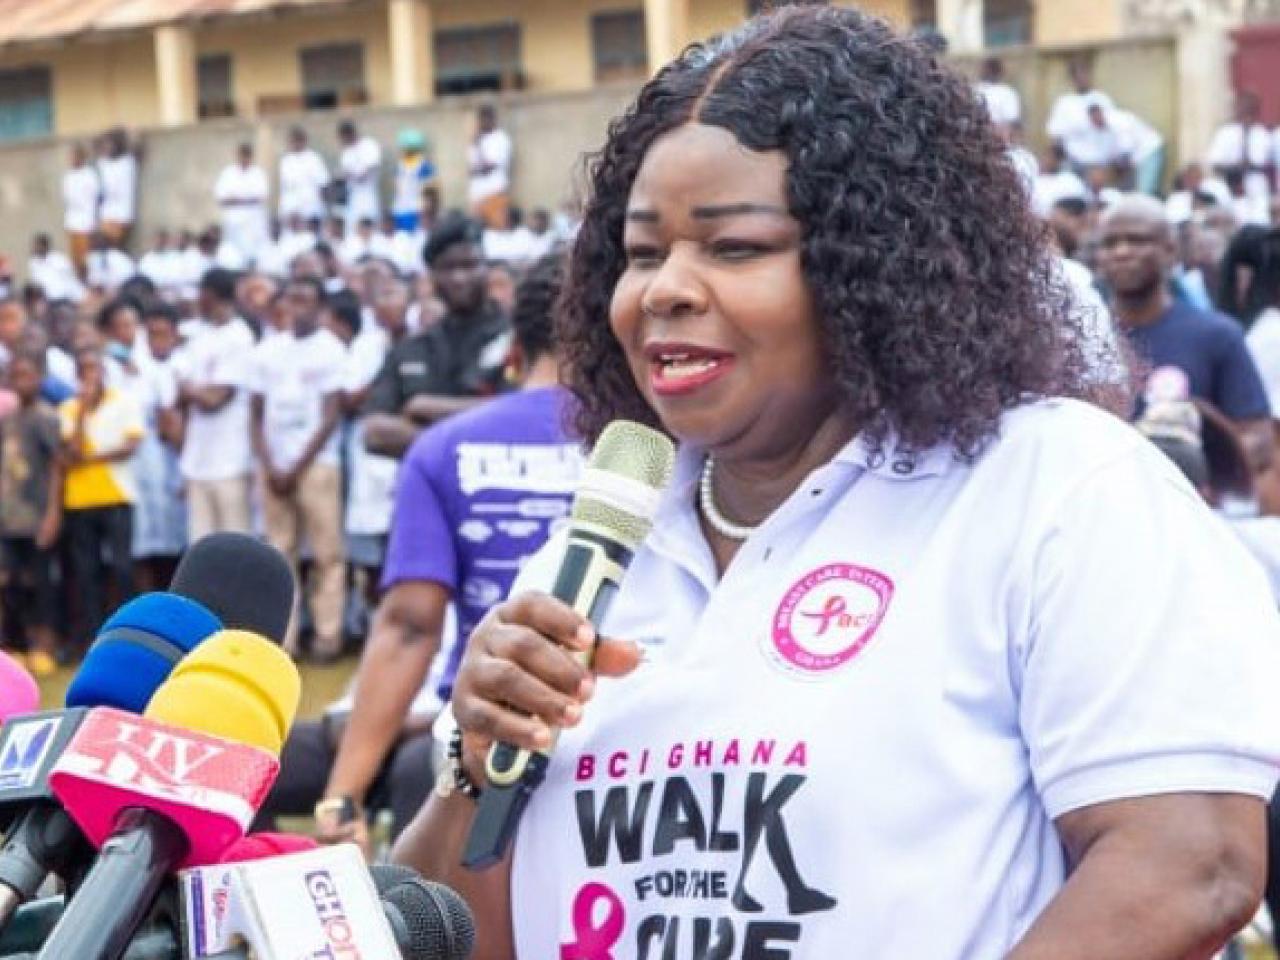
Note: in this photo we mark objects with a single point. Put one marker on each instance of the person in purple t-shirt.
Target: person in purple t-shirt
(477, 495)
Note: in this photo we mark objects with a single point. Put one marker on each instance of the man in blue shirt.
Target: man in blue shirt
(1175, 340)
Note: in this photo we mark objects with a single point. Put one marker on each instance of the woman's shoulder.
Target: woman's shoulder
(1058, 443)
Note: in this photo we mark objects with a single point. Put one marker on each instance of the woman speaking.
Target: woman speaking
(926, 655)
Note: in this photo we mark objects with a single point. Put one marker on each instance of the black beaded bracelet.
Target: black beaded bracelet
(461, 782)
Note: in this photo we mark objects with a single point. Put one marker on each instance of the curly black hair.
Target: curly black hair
(535, 303)
(940, 302)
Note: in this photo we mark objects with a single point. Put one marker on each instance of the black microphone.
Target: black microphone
(612, 513)
(429, 920)
(241, 580)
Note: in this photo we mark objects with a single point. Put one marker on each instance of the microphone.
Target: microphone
(429, 920)
(335, 905)
(241, 579)
(18, 690)
(326, 894)
(154, 795)
(612, 512)
(135, 651)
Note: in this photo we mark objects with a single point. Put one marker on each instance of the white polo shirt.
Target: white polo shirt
(855, 743)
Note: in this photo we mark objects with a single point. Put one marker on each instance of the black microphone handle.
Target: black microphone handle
(119, 890)
(31, 925)
(43, 840)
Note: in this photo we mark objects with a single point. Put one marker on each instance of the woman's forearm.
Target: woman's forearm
(433, 846)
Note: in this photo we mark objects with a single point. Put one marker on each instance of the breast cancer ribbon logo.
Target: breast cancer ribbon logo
(595, 941)
(834, 612)
(827, 617)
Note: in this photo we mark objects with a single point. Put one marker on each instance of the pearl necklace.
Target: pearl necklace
(706, 501)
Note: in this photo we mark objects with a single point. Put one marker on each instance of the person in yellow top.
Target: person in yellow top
(101, 430)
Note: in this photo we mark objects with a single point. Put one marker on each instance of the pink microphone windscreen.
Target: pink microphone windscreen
(260, 846)
(18, 691)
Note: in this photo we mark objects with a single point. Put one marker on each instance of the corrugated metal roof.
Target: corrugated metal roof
(35, 21)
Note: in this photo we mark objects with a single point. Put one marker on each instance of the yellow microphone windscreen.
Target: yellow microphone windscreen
(235, 685)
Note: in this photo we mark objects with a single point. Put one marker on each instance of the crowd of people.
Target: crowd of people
(137, 420)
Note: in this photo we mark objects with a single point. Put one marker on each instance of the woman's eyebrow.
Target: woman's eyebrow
(735, 209)
(638, 215)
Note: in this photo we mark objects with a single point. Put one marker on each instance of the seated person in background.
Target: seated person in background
(459, 535)
(450, 365)
(1136, 260)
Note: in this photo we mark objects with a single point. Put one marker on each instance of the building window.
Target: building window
(618, 45)
(26, 103)
(1006, 23)
(472, 59)
(333, 76)
(213, 86)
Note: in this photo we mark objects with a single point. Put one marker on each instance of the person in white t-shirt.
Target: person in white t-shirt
(53, 270)
(118, 176)
(489, 170)
(1003, 102)
(303, 177)
(213, 373)
(241, 194)
(1069, 122)
(296, 408)
(1056, 181)
(358, 244)
(913, 624)
(162, 264)
(107, 267)
(81, 194)
(1241, 150)
(296, 237)
(361, 165)
(514, 243)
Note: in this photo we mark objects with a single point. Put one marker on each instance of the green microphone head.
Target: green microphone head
(622, 485)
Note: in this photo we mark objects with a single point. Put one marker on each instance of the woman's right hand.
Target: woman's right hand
(519, 677)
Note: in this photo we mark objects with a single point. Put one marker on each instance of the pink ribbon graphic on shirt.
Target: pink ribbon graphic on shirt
(835, 610)
(594, 941)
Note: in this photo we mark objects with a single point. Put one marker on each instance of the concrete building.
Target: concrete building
(68, 68)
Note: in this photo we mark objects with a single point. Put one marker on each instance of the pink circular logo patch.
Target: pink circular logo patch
(827, 617)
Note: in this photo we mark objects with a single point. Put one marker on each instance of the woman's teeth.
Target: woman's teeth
(685, 367)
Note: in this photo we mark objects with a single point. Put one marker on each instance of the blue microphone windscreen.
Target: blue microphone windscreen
(137, 648)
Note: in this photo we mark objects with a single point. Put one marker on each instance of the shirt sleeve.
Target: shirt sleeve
(1238, 390)
(422, 539)
(1148, 661)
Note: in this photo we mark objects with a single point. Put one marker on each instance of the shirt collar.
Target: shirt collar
(677, 518)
